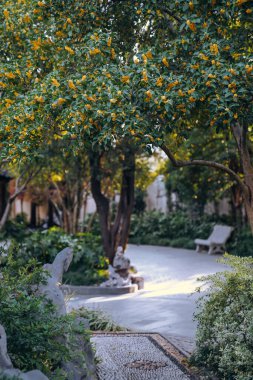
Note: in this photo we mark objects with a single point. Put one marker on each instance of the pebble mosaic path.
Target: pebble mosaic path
(138, 357)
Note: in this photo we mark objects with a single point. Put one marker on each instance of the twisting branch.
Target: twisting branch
(172, 14)
(212, 164)
(20, 189)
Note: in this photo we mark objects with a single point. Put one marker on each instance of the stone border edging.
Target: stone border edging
(167, 347)
(97, 290)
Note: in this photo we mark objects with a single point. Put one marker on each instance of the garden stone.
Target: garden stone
(115, 280)
(119, 272)
(52, 289)
(121, 264)
(31, 375)
(139, 281)
(5, 361)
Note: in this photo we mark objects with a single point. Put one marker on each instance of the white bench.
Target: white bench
(216, 241)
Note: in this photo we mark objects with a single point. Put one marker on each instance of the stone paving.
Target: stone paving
(185, 344)
(166, 305)
(135, 357)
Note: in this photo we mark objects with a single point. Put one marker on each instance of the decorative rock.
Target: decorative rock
(5, 361)
(52, 289)
(115, 280)
(139, 281)
(119, 273)
(120, 261)
(31, 375)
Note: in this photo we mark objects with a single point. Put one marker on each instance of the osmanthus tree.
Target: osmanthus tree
(97, 73)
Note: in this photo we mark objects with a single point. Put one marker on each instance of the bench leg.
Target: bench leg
(217, 248)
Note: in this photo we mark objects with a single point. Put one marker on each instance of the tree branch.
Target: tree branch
(212, 164)
(172, 14)
(18, 189)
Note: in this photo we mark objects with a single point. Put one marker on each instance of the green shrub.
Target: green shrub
(34, 332)
(241, 243)
(176, 229)
(224, 340)
(89, 265)
(17, 228)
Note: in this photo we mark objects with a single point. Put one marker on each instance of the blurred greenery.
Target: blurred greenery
(179, 229)
(89, 265)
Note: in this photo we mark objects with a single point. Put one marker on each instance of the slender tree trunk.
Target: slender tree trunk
(85, 201)
(117, 233)
(33, 215)
(50, 214)
(122, 222)
(240, 134)
(18, 190)
(102, 204)
(6, 213)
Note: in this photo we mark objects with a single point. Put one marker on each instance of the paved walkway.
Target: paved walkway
(138, 357)
(166, 305)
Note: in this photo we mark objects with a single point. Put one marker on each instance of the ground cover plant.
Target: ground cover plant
(224, 340)
(98, 320)
(35, 334)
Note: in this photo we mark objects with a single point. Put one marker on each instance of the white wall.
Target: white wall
(156, 198)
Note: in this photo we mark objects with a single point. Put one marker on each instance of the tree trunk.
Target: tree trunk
(33, 221)
(117, 233)
(84, 205)
(121, 226)
(240, 134)
(102, 204)
(50, 214)
(19, 190)
(5, 215)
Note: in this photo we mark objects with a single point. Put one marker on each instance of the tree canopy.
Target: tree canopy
(95, 72)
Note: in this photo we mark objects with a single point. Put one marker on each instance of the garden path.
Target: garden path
(166, 305)
(127, 356)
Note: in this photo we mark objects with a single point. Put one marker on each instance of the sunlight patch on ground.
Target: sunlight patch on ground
(77, 302)
(173, 287)
(158, 288)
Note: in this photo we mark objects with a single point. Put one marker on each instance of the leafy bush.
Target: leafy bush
(241, 243)
(178, 229)
(225, 322)
(17, 228)
(34, 332)
(175, 229)
(89, 265)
